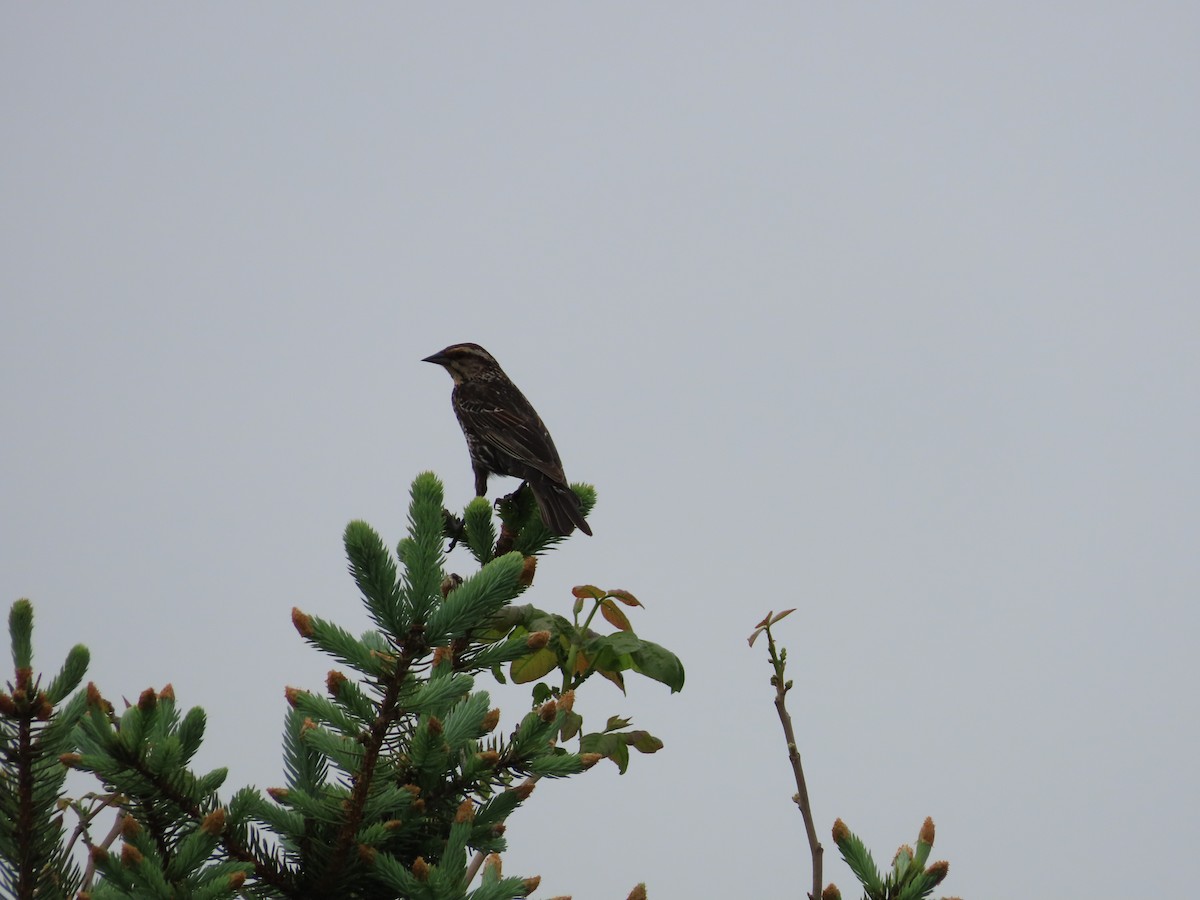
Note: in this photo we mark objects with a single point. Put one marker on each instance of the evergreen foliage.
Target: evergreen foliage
(396, 784)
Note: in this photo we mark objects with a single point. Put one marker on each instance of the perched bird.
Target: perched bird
(506, 436)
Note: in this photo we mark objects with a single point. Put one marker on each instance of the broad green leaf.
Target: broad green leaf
(534, 666)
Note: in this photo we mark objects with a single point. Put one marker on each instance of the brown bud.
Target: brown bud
(638, 893)
(147, 700)
(523, 790)
(70, 760)
(168, 692)
(494, 865)
(939, 870)
(214, 823)
(7, 707)
(279, 795)
(293, 695)
(840, 831)
(528, 567)
(420, 868)
(902, 850)
(567, 701)
(130, 827)
(418, 806)
(489, 758)
(490, 720)
(831, 892)
(926, 834)
(24, 679)
(237, 879)
(99, 854)
(531, 884)
(435, 725)
(548, 711)
(449, 583)
(465, 813)
(44, 709)
(333, 683)
(301, 622)
(130, 856)
(414, 789)
(442, 655)
(393, 824)
(590, 759)
(366, 854)
(536, 640)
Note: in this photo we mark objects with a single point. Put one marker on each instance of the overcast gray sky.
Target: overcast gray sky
(887, 312)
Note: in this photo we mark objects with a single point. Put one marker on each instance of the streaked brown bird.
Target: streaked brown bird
(506, 436)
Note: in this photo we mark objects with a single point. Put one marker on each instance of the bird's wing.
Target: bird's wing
(514, 428)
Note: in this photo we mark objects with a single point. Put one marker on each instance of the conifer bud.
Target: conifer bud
(490, 720)
(840, 831)
(366, 854)
(420, 869)
(567, 701)
(926, 834)
(333, 683)
(130, 856)
(293, 695)
(130, 827)
(523, 790)
(167, 693)
(536, 640)
(638, 893)
(831, 892)
(301, 622)
(548, 711)
(70, 760)
(278, 794)
(441, 655)
(449, 583)
(531, 884)
(488, 757)
(465, 813)
(214, 823)
(435, 725)
(7, 707)
(236, 880)
(147, 700)
(939, 870)
(528, 568)
(494, 865)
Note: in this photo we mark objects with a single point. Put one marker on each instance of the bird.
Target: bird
(506, 436)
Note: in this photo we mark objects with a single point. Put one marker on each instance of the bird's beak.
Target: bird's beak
(437, 359)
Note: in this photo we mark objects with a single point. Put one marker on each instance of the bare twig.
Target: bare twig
(778, 660)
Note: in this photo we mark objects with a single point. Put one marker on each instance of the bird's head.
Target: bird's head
(464, 361)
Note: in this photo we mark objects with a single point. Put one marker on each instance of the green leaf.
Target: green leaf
(534, 666)
(644, 742)
(660, 664)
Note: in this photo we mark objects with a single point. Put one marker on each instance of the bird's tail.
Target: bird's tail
(559, 507)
